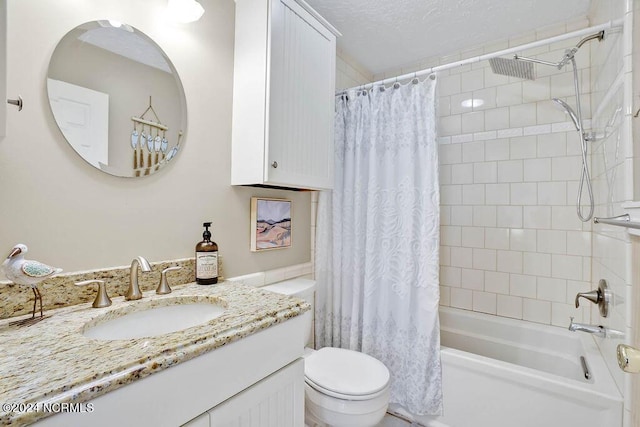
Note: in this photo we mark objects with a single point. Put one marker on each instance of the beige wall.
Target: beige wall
(75, 217)
(3, 88)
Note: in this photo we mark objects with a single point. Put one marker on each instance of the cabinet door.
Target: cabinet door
(299, 149)
(276, 401)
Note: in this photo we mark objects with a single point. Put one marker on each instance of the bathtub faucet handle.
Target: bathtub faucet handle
(600, 297)
(593, 296)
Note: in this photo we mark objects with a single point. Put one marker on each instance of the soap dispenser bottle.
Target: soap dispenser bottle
(206, 259)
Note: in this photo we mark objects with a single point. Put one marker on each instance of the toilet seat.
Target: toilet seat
(343, 396)
(346, 374)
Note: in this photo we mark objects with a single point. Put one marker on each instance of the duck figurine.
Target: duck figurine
(27, 273)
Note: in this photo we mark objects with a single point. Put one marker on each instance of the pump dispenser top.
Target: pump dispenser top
(207, 234)
(206, 258)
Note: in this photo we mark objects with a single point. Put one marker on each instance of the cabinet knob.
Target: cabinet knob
(274, 165)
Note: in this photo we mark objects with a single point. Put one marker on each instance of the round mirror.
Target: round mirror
(117, 99)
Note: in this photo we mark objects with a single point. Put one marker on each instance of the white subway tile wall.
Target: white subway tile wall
(510, 191)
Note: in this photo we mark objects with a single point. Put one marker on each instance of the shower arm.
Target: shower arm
(517, 57)
(568, 55)
(599, 36)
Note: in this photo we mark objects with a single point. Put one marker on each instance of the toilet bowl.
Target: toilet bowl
(343, 388)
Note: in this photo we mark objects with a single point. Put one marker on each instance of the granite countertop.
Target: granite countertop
(52, 362)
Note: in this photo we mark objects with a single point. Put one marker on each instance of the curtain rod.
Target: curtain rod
(596, 28)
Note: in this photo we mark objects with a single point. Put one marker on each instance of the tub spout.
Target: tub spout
(597, 330)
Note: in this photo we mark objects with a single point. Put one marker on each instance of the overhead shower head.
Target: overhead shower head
(567, 109)
(512, 68)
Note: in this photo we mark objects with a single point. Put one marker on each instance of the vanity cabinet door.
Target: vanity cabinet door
(276, 401)
(283, 102)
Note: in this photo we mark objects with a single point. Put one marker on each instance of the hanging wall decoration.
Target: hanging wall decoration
(270, 223)
(152, 139)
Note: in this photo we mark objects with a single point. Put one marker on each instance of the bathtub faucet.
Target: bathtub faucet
(597, 330)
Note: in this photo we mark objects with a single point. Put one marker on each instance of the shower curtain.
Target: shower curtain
(378, 239)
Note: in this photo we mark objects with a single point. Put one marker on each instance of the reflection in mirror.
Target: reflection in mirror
(117, 99)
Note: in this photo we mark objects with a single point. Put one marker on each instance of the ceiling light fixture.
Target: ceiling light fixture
(184, 11)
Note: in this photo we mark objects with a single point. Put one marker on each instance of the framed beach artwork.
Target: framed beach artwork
(270, 224)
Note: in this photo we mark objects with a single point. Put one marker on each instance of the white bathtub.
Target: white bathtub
(499, 372)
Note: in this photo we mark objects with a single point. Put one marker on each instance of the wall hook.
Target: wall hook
(17, 102)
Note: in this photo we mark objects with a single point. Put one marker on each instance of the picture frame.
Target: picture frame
(270, 224)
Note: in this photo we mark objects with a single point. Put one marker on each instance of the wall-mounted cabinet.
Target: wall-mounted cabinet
(283, 95)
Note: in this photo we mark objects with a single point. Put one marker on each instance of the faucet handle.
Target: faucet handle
(163, 287)
(600, 297)
(593, 296)
(102, 299)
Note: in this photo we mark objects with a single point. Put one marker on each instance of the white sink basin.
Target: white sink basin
(152, 321)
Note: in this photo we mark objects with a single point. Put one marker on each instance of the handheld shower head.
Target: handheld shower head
(567, 109)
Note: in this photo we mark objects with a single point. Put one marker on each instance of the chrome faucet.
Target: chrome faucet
(133, 292)
(597, 330)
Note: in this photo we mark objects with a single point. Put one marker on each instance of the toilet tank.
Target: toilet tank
(300, 288)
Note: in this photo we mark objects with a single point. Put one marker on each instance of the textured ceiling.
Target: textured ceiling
(386, 34)
(126, 43)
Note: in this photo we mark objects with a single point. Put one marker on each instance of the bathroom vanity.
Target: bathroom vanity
(244, 362)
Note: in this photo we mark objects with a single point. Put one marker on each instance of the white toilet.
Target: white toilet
(343, 388)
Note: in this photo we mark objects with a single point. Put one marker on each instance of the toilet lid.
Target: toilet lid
(345, 372)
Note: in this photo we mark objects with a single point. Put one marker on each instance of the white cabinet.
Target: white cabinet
(276, 401)
(283, 95)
